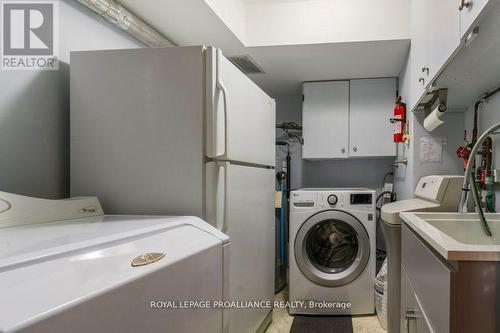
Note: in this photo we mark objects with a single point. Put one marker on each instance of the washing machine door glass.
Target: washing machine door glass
(332, 248)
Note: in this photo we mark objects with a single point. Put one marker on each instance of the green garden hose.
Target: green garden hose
(486, 227)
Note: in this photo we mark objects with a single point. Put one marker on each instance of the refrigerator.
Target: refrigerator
(181, 131)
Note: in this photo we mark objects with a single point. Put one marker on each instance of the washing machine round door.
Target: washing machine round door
(332, 248)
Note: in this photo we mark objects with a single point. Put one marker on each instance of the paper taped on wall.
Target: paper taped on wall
(431, 149)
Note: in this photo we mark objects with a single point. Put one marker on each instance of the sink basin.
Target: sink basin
(466, 228)
(458, 236)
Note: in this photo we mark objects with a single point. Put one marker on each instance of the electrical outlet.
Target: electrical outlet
(388, 187)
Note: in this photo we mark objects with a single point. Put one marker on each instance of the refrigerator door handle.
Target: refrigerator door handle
(225, 210)
(220, 86)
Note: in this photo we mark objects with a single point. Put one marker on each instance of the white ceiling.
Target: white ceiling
(191, 23)
(286, 66)
(319, 21)
(271, 1)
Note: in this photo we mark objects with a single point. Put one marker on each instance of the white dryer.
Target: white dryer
(332, 251)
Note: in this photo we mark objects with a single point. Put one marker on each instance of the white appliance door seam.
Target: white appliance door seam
(241, 163)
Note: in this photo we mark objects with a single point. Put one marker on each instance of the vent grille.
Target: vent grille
(246, 64)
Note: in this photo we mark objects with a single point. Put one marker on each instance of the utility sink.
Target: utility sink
(458, 236)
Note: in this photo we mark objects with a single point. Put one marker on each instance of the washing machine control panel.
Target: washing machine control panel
(345, 200)
(332, 199)
(360, 200)
(303, 200)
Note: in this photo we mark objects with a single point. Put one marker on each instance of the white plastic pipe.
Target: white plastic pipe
(125, 20)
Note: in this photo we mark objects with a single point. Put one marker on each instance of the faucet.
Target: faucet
(468, 171)
(398, 162)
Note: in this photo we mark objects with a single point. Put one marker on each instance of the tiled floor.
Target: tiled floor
(367, 324)
(282, 320)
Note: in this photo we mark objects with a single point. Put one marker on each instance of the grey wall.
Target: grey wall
(34, 109)
(334, 173)
(403, 181)
(289, 109)
(347, 173)
(451, 131)
(489, 114)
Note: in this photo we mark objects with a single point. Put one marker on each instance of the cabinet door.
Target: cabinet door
(371, 105)
(442, 36)
(430, 279)
(435, 37)
(325, 119)
(418, 81)
(412, 317)
(472, 13)
(408, 305)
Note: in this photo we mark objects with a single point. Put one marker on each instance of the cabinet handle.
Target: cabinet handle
(410, 314)
(421, 80)
(354, 149)
(425, 69)
(464, 4)
(342, 150)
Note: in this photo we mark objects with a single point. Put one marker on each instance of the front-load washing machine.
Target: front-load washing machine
(332, 251)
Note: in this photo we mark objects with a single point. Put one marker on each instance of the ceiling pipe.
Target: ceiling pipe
(481, 100)
(125, 20)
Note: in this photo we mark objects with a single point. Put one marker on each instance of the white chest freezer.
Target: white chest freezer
(79, 275)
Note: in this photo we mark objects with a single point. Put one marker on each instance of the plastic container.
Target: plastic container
(381, 295)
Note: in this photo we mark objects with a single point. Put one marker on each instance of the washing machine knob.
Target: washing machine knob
(332, 199)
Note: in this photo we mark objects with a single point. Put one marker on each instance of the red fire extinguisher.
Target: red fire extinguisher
(399, 120)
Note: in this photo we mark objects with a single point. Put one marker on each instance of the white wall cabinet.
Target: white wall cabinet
(325, 119)
(416, 80)
(371, 105)
(471, 12)
(442, 37)
(344, 119)
(435, 37)
(437, 31)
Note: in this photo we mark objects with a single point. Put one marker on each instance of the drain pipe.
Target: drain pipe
(125, 20)
(481, 100)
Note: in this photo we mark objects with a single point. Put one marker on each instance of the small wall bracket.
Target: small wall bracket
(440, 95)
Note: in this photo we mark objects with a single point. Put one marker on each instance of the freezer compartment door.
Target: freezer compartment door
(245, 197)
(137, 129)
(240, 116)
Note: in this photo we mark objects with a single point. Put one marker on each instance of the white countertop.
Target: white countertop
(456, 236)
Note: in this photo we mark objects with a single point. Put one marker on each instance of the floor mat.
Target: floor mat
(322, 324)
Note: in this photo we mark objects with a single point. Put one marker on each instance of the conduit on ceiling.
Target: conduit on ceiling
(125, 20)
